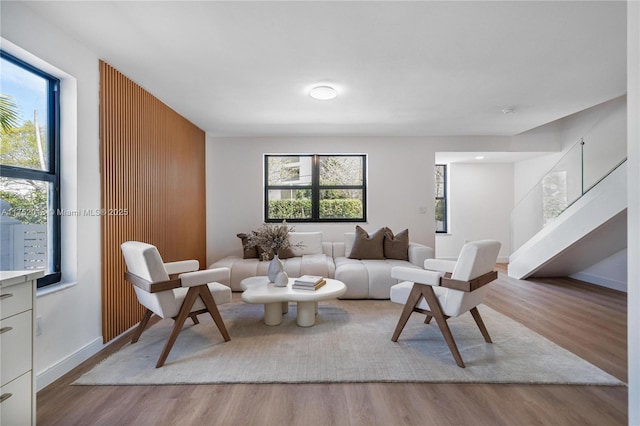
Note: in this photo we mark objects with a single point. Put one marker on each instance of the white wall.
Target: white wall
(401, 181)
(480, 203)
(633, 199)
(610, 272)
(70, 318)
(604, 130)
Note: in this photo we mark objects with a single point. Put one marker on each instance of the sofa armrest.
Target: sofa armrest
(418, 253)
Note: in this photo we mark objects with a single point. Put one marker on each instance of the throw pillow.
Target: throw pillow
(247, 252)
(396, 246)
(286, 253)
(283, 254)
(264, 254)
(368, 246)
(305, 243)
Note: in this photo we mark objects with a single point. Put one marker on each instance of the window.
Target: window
(315, 188)
(29, 169)
(441, 199)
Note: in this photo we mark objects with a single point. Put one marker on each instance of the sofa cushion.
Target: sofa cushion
(396, 246)
(368, 246)
(367, 279)
(247, 252)
(305, 243)
(354, 274)
(380, 281)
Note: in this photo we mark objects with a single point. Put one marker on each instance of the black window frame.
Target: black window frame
(52, 175)
(315, 188)
(444, 199)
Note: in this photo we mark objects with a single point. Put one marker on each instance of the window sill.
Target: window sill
(54, 288)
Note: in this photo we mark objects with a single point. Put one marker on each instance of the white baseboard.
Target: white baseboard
(54, 372)
(601, 281)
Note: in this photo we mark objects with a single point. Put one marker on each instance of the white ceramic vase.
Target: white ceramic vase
(282, 279)
(275, 266)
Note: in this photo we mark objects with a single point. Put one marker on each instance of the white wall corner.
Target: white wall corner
(58, 369)
(601, 281)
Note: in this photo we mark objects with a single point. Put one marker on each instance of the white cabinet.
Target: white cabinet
(17, 321)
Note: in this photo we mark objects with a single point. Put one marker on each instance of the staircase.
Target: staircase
(591, 229)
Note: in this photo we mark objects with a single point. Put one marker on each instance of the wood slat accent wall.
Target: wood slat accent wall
(153, 189)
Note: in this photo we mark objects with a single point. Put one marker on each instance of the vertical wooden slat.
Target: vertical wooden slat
(152, 166)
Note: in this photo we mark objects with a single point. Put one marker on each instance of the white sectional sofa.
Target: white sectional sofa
(364, 278)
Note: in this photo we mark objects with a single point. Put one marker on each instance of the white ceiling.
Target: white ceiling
(415, 68)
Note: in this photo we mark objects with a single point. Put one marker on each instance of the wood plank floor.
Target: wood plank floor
(587, 320)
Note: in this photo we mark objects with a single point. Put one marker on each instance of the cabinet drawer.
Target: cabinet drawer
(15, 346)
(15, 299)
(15, 408)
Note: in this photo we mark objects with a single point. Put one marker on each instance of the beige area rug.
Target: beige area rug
(351, 342)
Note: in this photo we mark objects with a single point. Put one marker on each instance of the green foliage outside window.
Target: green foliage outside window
(441, 198)
(30, 208)
(441, 215)
(329, 208)
(343, 209)
(19, 147)
(9, 113)
(295, 183)
(341, 170)
(440, 211)
(290, 209)
(27, 198)
(29, 185)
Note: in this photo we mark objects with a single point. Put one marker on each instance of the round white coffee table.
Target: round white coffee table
(276, 299)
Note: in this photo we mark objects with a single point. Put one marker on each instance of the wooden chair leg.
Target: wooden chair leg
(434, 306)
(184, 312)
(194, 318)
(412, 302)
(428, 319)
(207, 298)
(143, 324)
(476, 316)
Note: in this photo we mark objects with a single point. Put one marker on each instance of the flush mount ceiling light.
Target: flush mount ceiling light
(323, 93)
(479, 157)
(509, 111)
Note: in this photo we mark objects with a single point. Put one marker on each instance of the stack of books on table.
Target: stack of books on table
(309, 282)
